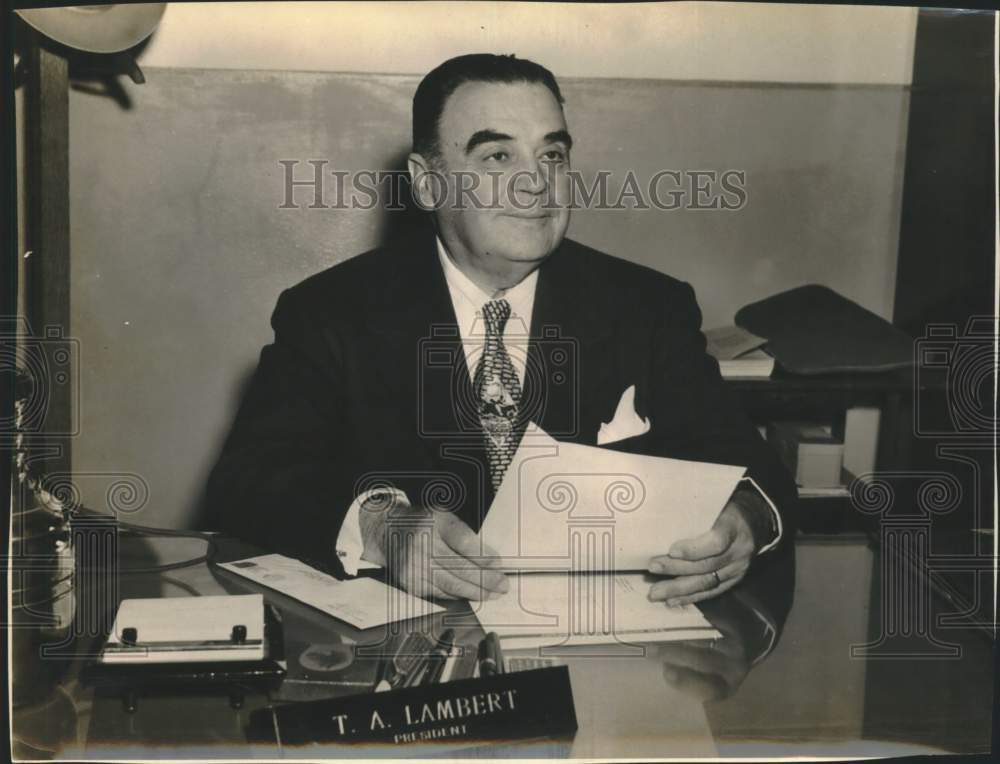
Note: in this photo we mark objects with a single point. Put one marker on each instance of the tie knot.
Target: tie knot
(496, 313)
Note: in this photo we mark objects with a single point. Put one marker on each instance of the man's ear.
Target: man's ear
(427, 182)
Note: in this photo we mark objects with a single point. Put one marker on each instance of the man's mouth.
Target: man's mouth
(529, 215)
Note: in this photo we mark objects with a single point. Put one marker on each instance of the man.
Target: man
(400, 381)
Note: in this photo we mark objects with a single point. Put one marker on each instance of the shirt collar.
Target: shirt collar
(520, 296)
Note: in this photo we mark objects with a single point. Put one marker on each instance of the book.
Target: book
(757, 364)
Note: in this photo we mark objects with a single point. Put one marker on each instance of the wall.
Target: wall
(180, 250)
(741, 42)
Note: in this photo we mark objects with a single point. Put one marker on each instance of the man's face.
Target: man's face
(510, 142)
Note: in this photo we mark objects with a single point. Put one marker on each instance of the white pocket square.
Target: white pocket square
(626, 423)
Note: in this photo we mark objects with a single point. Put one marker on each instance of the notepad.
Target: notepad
(187, 630)
(361, 602)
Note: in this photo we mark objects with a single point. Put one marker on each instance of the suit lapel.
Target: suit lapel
(569, 355)
(423, 370)
(421, 350)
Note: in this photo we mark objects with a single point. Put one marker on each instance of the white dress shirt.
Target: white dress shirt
(467, 298)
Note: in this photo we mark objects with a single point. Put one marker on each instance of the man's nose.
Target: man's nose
(531, 179)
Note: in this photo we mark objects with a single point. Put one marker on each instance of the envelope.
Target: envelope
(565, 506)
(361, 602)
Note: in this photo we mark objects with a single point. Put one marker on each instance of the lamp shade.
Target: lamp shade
(97, 28)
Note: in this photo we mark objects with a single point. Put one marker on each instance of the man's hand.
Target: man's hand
(709, 564)
(431, 553)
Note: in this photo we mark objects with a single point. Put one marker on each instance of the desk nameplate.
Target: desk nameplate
(521, 705)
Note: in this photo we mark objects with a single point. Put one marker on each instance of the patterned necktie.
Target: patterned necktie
(498, 392)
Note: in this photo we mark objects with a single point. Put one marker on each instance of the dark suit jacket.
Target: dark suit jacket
(366, 384)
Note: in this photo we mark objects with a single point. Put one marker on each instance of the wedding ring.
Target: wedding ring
(718, 581)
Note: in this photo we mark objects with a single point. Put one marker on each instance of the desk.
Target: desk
(782, 682)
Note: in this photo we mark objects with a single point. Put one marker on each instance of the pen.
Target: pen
(445, 667)
(438, 655)
(448, 667)
(490, 657)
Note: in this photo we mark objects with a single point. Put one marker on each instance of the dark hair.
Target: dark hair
(435, 89)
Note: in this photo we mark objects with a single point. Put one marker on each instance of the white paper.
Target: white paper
(564, 506)
(586, 609)
(533, 642)
(169, 629)
(725, 343)
(361, 602)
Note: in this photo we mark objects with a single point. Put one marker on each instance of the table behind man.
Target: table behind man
(344, 426)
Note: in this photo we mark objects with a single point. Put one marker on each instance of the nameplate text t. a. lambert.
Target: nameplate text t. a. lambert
(508, 706)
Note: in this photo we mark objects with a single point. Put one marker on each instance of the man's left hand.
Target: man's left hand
(707, 565)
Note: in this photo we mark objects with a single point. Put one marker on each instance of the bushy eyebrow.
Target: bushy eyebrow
(489, 136)
(485, 136)
(560, 136)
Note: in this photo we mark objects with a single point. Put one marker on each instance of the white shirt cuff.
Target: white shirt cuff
(774, 510)
(772, 635)
(349, 545)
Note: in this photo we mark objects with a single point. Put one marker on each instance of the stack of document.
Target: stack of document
(570, 521)
(550, 609)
